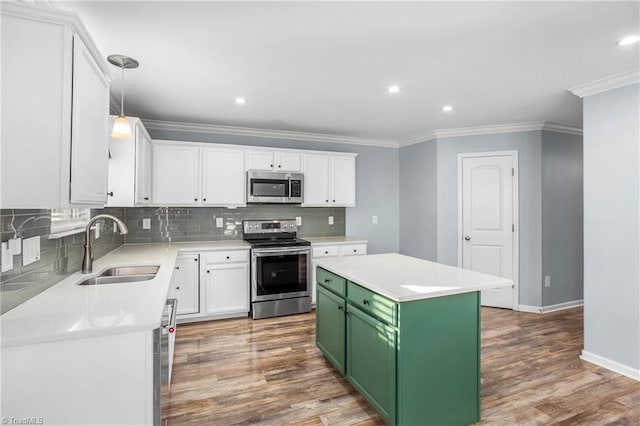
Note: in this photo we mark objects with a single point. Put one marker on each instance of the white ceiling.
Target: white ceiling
(325, 67)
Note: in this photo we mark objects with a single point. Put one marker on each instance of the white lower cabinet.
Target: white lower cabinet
(337, 250)
(211, 284)
(185, 283)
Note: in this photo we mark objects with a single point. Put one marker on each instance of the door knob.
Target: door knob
(467, 238)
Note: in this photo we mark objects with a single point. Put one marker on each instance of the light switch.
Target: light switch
(374, 219)
(30, 250)
(96, 230)
(298, 221)
(330, 220)
(7, 258)
(219, 222)
(146, 223)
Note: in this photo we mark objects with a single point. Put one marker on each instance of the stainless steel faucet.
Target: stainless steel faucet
(87, 260)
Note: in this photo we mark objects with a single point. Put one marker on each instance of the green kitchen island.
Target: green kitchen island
(406, 334)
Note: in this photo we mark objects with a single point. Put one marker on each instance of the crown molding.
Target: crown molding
(265, 133)
(606, 84)
(422, 137)
(45, 12)
(561, 128)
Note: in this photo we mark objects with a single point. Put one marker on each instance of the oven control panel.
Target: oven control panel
(277, 226)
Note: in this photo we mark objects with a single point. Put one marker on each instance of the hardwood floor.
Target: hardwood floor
(269, 372)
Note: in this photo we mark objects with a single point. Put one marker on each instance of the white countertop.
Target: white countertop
(68, 311)
(330, 241)
(403, 278)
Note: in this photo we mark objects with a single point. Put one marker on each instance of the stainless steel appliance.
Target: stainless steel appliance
(274, 187)
(163, 344)
(280, 268)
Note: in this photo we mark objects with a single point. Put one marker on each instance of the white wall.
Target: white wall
(612, 227)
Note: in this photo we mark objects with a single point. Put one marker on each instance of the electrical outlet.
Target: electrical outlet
(330, 220)
(96, 230)
(547, 281)
(298, 221)
(219, 222)
(146, 223)
(30, 250)
(7, 258)
(115, 227)
(374, 219)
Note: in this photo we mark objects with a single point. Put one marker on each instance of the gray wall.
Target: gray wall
(176, 224)
(529, 192)
(58, 257)
(376, 183)
(562, 211)
(612, 225)
(418, 201)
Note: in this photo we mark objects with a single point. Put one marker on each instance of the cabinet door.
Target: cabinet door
(288, 161)
(186, 283)
(330, 327)
(227, 288)
(371, 360)
(343, 181)
(260, 160)
(175, 171)
(142, 166)
(316, 180)
(121, 172)
(89, 129)
(223, 179)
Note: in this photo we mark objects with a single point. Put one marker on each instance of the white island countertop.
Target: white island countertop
(69, 311)
(404, 278)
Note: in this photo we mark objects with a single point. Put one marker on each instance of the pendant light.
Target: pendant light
(121, 126)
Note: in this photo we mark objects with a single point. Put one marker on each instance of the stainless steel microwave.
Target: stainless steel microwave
(274, 187)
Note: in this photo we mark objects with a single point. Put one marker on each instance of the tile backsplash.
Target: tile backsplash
(58, 257)
(177, 224)
(63, 256)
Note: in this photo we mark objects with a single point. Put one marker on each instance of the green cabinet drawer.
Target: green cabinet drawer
(372, 303)
(333, 282)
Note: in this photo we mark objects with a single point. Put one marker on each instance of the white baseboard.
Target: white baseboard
(611, 365)
(550, 308)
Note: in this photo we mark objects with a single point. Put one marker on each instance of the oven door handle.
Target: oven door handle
(289, 193)
(278, 252)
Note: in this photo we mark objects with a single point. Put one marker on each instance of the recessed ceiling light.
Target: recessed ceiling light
(241, 101)
(629, 40)
(447, 108)
(393, 89)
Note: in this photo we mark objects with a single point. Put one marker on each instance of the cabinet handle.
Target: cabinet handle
(227, 257)
(365, 302)
(196, 259)
(195, 199)
(146, 198)
(177, 267)
(327, 280)
(334, 201)
(208, 272)
(326, 201)
(326, 252)
(177, 287)
(271, 165)
(204, 199)
(110, 194)
(340, 308)
(279, 166)
(355, 250)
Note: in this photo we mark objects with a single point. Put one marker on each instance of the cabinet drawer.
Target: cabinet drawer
(325, 251)
(331, 281)
(226, 256)
(353, 249)
(372, 303)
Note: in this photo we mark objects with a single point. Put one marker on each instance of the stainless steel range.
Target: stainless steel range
(280, 268)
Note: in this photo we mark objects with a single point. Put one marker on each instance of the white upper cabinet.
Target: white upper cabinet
(130, 168)
(272, 160)
(55, 95)
(175, 174)
(223, 177)
(197, 174)
(329, 180)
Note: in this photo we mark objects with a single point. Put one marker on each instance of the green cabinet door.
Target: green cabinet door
(371, 360)
(330, 326)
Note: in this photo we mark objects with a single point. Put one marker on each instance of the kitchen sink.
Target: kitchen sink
(123, 274)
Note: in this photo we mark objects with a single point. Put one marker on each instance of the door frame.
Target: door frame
(516, 219)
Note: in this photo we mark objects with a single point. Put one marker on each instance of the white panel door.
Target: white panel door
(288, 161)
(142, 166)
(316, 180)
(260, 160)
(223, 178)
(175, 171)
(487, 222)
(227, 288)
(343, 181)
(89, 129)
(186, 283)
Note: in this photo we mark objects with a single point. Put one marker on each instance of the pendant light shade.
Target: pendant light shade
(121, 126)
